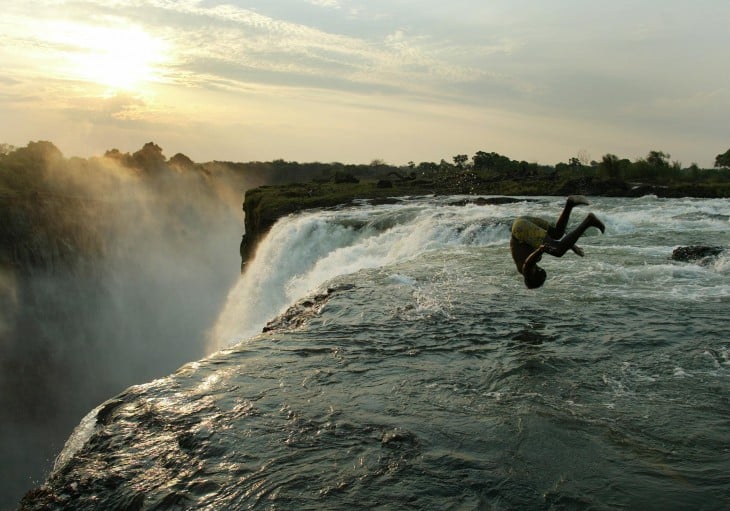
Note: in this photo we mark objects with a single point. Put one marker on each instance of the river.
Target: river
(410, 368)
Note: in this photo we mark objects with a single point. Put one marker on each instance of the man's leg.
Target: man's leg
(558, 248)
(558, 231)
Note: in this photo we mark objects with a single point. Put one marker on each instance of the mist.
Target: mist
(154, 251)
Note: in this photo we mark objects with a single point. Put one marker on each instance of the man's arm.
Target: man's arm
(532, 259)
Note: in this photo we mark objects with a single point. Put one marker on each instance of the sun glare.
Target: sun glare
(121, 58)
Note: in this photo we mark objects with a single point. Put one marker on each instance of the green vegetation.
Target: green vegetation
(58, 213)
(723, 160)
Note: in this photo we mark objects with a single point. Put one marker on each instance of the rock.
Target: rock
(488, 201)
(398, 437)
(302, 311)
(696, 253)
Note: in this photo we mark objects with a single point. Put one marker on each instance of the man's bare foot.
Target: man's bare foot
(578, 200)
(595, 222)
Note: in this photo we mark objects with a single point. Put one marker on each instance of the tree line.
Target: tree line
(656, 168)
(26, 168)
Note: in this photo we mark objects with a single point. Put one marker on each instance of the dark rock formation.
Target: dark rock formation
(298, 314)
(701, 254)
(487, 201)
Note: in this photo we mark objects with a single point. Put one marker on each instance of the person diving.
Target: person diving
(533, 236)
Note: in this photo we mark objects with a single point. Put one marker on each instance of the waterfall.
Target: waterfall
(302, 252)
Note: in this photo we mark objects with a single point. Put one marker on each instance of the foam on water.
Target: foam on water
(304, 251)
(669, 215)
(721, 264)
(402, 279)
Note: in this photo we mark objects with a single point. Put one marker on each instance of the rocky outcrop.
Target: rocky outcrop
(302, 311)
(701, 254)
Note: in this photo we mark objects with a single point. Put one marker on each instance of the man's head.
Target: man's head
(535, 277)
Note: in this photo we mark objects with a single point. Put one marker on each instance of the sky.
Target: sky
(358, 80)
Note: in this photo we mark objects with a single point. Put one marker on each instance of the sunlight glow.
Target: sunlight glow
(121, 58)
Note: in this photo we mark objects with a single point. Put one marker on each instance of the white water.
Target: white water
(303, 252)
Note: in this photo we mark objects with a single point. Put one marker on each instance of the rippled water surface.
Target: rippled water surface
(416, 371)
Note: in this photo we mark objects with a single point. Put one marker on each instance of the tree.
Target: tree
(39, 155)
(491, 161)
(723, 160)
(427, 167)
(6, 149)
(342, 177)
(150, 158)
(610, 167)
(118, 156)
(694, 172)
(182, 162)
(525, 169)
(26, 168)
(658, 159)
(460, 160)
(584, 157)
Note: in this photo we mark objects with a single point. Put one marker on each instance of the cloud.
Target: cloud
(118, 108)
(247, 47)
(611, 63)
(7, 80)
(334, 4)
(231, 47)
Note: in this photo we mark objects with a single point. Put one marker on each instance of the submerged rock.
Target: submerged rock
(701, 254)
(488, 201)
(299, 313)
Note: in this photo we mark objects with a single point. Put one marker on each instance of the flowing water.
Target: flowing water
(410, 368)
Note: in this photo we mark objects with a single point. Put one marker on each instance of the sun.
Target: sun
(122, 58)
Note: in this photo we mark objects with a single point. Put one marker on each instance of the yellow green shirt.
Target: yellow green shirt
(530, 230)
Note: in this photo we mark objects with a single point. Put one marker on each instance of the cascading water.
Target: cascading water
(302, 252)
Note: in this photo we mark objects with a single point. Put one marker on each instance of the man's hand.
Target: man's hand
(578, 250)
